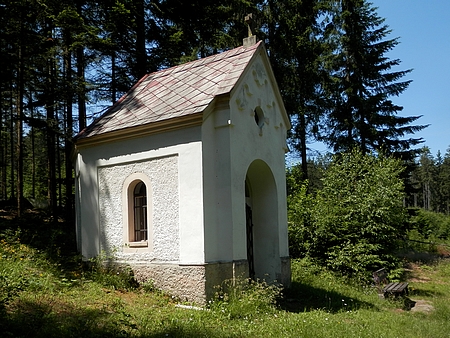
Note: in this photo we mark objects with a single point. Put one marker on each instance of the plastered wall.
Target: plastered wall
(163, 200)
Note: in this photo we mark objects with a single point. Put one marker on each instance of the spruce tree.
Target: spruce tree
(444, 183)
(362, 82)
(296, 50)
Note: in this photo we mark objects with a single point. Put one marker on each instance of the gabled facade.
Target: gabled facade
(184, 178)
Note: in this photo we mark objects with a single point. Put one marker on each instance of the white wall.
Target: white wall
(172, 161)
(163, 221)
(207, 199)
(232, 142)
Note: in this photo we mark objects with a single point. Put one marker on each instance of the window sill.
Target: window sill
(143, 244)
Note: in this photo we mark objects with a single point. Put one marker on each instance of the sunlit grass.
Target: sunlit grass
(45, 294)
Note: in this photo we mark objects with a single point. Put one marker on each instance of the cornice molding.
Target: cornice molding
(142, 130)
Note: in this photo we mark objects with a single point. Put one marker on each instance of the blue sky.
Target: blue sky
(423, 28)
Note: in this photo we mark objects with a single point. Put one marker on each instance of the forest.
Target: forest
(377, 199)
(64, 62)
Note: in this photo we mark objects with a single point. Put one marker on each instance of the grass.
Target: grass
(45, 291)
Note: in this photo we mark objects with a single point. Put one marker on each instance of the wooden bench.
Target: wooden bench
(388, 289)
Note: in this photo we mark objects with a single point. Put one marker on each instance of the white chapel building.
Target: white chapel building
(183, 179)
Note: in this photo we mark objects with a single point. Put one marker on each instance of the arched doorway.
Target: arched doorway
(262, 222)
(249, 231)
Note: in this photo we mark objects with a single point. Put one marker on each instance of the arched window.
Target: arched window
(137, 211)
(140, 212)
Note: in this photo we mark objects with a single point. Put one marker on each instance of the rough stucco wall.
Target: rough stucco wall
(184, 282)
(163, 174)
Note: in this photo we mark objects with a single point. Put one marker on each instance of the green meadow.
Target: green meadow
(47, 291)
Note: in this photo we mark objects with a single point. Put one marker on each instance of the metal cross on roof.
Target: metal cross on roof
(249, 20)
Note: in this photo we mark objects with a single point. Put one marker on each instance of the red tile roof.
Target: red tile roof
(174, 92)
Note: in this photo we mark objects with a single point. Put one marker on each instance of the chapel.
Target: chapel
(183, 179)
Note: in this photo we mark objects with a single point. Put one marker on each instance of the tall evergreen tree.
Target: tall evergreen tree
(208, 28)
(444, 182)
(426, 175)
(296, 51)
(362, 84)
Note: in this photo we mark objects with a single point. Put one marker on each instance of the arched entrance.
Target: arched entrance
(262, 222)
(249, 230)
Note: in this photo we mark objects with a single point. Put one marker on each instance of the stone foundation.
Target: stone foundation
(285, 278)
(196, 283)
(184, 282)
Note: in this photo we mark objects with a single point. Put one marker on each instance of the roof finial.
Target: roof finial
(251, 39)
(249, 20)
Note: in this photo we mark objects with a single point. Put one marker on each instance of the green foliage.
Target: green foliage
(12, 281)
(148, 286)
(362, 82)
(245, 298)
(431, 180)
(430, 233)
(300, 205)
(431, 225)
(296, 50)
(359, 215)
(110, 275)
(22, 268)
(56, 298)
(356, 221)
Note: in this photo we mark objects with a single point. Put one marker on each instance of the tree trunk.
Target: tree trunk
(113, 78)
(303, 149)
(141, 53)
(68, 133)
(11, 147)
(81, 92)
(2, 153)
(51, 139)
(20, 118)
(33, 158)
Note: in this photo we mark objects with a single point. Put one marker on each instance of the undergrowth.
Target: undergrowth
(46, 290)
(245, 298)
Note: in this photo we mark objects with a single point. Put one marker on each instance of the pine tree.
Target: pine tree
(362, 83)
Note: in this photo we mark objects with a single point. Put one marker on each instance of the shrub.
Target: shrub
(245, 298)
(359, 214)
(357, 220)
(110, 275)
(431, 224)
(300, 205)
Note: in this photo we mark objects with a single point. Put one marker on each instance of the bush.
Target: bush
(110, 275)
(300, 206)
(245, 298)
(431, 225)
(356, 222)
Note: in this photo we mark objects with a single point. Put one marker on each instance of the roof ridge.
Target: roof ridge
(174, 92)
(218, 57)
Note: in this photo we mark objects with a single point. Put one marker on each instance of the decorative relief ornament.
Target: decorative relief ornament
(259, 74)
(241, 99)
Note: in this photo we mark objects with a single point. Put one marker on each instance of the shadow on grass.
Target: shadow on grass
(56, 240)
(47, 317)
(303, 297)
(38, 230)
(417, 292)
(42, 319)
(35, 319)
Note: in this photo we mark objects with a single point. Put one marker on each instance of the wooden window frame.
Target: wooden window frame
(129, 207)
